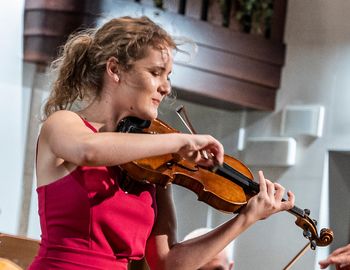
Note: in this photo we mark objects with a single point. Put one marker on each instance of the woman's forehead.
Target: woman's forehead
(158, 56)
(165, 53)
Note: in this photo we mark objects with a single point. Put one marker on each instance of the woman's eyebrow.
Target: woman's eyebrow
(160, 67)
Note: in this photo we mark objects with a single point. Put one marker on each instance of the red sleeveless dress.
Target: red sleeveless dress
(88, 221)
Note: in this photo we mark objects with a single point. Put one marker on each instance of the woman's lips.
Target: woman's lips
(155, 101)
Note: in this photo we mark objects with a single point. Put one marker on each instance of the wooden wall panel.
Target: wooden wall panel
(278, 20)
(214, 13)
(57, 5)
(221, 38)
(220, 91)
(246, 68)
(233, 65)
(193, 9)
(234, 24)
(172, 6)
(47, 24)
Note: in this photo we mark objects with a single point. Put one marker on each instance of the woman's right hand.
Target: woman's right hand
(268, 201)
(204, 150)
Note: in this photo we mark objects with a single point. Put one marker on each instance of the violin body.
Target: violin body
(225, 188)
(211, 188)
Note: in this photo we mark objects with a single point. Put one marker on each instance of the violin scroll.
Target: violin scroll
(310, 231)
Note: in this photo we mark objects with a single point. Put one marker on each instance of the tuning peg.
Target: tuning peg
(307, 212)
(307, 234)
(315, 221)
(313, 244)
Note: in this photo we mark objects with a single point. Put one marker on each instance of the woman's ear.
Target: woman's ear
(112, 69)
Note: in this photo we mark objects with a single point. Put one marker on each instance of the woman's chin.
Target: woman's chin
(154, 116)
(150, 115)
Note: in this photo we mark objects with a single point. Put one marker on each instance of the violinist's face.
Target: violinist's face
(147, 83)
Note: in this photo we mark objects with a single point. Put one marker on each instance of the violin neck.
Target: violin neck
(249, 185)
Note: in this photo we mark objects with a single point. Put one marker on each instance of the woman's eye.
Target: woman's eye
(155, 73)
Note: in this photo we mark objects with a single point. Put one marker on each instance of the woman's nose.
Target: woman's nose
(165, 87)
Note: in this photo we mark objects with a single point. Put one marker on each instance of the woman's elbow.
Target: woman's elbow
(87, 155)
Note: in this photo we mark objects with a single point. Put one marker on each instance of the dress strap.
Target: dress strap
(88, 125)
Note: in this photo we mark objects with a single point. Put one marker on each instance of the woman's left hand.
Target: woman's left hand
(269, 200)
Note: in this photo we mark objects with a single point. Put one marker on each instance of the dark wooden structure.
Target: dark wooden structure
(48, 23)
(231, 69)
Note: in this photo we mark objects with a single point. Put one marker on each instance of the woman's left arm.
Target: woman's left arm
(163, 235)
(163, 252)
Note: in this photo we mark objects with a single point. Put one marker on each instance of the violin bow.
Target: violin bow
(186, 121)
(296, 257)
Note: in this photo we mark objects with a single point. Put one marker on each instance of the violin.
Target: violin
(227, 188)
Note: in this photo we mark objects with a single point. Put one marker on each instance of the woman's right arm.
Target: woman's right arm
(68, 138)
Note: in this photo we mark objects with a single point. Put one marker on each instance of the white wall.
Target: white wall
(12, 132)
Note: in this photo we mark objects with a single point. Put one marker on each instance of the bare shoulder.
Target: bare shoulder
(60, 127)
(62, 117)
(58, 121)
(57, 141)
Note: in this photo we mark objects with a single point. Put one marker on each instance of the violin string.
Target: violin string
(235, 176)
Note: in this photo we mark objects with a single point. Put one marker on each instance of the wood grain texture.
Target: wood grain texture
(20, 250)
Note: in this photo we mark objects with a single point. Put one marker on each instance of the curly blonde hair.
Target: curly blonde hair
(82, 61)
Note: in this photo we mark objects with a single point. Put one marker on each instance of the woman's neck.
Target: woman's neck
(102, 114)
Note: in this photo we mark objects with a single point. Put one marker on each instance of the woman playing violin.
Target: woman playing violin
(89, 219)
